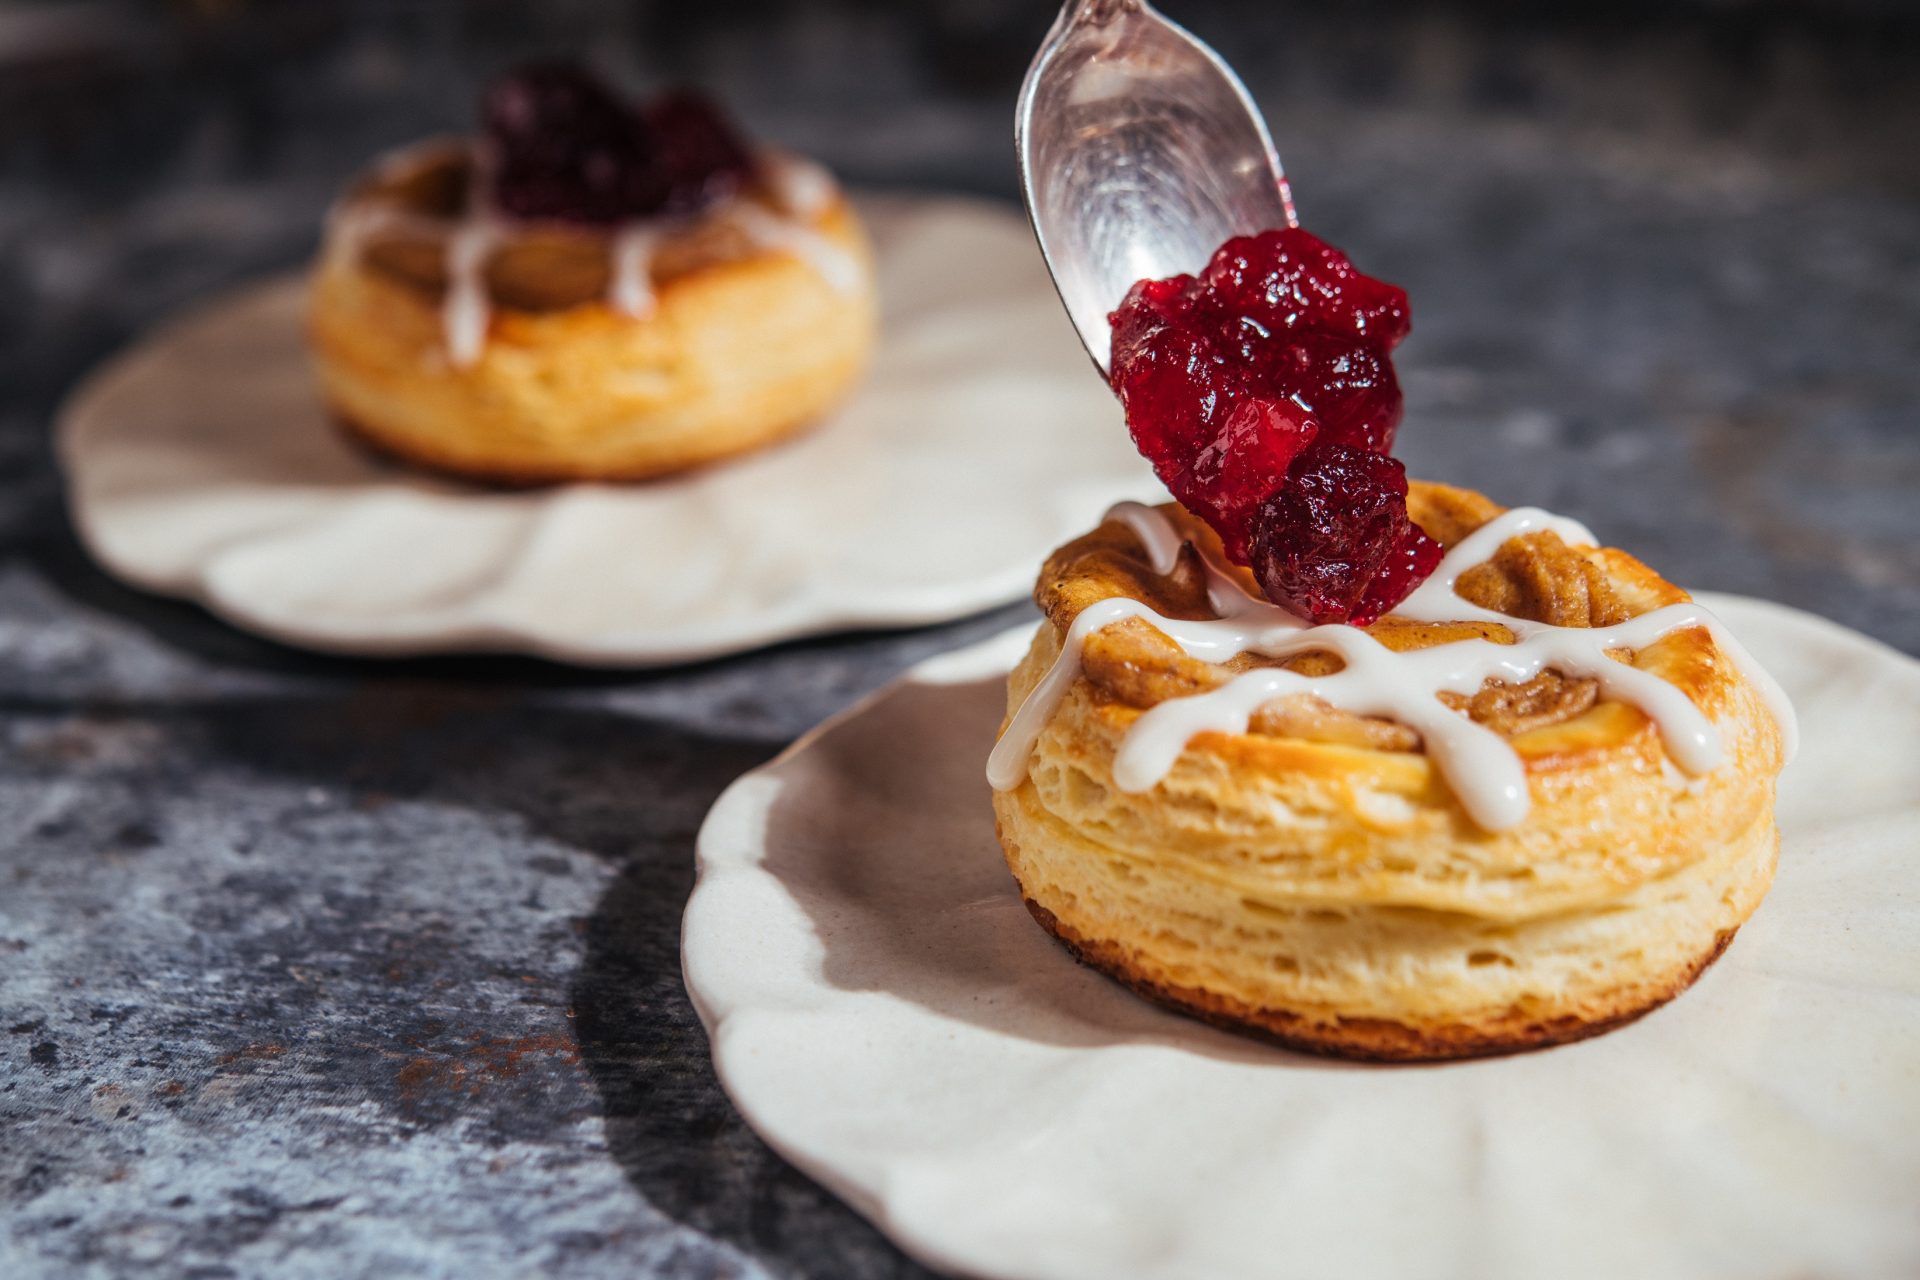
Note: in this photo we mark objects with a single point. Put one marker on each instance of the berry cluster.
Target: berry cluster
(1262, 392)
(566, 148)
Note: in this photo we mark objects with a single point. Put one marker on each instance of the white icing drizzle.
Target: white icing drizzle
(630, 291)
(465, 311)
(772, 231)
(800, 190)
(1479, 764)
(798, 185)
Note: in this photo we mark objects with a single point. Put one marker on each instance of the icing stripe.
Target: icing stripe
(1478, 764)
(802, 190)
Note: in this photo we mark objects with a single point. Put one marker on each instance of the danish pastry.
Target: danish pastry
(589, 291)
(1293, 839)
(1376, 769)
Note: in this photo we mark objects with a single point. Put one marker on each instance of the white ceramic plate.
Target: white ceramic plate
(886, 1014)
(201, 464)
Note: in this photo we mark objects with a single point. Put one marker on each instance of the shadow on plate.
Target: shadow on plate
(883, 833)
(55, 553)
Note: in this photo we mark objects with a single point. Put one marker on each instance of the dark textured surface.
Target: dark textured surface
(317, 968)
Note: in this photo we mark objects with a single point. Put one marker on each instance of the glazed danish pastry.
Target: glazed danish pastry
(589, 292)
(1532, 803)
(1373, 768)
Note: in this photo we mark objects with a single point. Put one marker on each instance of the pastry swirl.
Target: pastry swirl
(1316, 878)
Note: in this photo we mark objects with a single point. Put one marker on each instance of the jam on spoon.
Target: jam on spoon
(1263, 394)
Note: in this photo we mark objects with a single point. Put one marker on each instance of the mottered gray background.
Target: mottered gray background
(314, 967)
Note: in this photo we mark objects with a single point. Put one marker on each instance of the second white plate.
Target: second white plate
(202, 464)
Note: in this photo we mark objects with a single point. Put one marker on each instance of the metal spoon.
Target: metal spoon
(1140, 153)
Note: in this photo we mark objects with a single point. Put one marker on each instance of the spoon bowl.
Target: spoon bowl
(1140, 154)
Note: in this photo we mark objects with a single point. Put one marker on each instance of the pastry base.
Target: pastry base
(423, 456)
(1369, 979)
(1375, 1039)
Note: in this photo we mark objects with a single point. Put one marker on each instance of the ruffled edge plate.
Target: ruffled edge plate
(202, 464)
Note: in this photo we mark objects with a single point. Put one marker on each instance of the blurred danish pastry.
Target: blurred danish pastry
(589, 291)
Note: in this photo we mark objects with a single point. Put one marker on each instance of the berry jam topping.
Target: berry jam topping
(567, 148)
(1262, 392)
(1334, 542)
(701, 157)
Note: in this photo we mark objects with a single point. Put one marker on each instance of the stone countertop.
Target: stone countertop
(315, 967)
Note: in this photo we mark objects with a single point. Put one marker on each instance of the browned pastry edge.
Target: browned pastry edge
(506, 477)
(1535, 576)
(1376, 1039)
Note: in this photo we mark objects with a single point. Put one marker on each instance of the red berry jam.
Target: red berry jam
(566, 148)
(701, 158)
(1334, 542)
(1262, 392)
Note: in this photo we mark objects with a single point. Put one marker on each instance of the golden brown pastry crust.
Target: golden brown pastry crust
(1316, 881)
(1378, 1039)
(744, 345)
